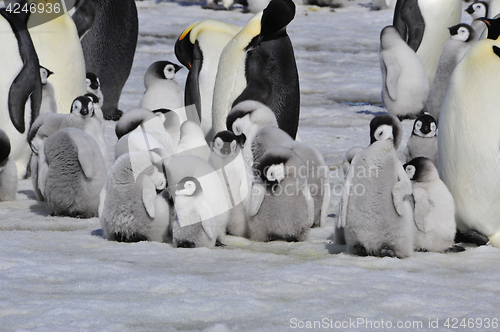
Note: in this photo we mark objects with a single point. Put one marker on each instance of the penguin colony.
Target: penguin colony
(220, 157)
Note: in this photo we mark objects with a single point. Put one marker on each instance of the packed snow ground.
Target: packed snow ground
(58, 274)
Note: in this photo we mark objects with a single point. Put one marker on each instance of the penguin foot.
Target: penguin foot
(219, 244)
(360, 250)
(120, 237)
(454, 249)
(112, 115)
(421, 250)
(386, 251)
(471, 237)
(186, 244)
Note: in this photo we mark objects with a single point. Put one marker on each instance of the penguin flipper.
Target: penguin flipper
(401, 190)
(84, 16)
(422, 208)
(257, 194)
(393, 72)
(346, 193)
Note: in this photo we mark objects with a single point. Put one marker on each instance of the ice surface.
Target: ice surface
(55, 275)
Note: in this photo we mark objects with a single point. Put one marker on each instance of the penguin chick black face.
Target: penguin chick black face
(419, 169)
(83, 106)
(164, 69)
(384, 127)
(478, 9)
(44, 74)
(92, 82)
(225, 144)
(4, 146)
(188, 186)
(493, 27)
(271, 168)
(425, 126)
(462, 32)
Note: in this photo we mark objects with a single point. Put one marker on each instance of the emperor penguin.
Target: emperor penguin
(109, 44)
(462, 38)
(258, 63)
(286, 211)
(317, 174)
(405, 86)
(75, 175)
(58, 47)
(20, 84)
(376, 213)
(423, 24)
(265, 139)
(468, 137)
(162, 90)
(49, 104)
(236, 176)
(246, 119)
(8, 171)
(192, 141)
(434, 212)
(423, 141)
(133, 203)
(477, 10)
(199, 48)
(202, 214)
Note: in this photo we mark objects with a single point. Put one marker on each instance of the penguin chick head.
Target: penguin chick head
(276, 173)
(493, 26)
(425, 126)
(462, 32)
(93, 82)
(44, 74)
(477, 9)
(272, 166)
(386, 127)
(225, 144)
(83, 106)
(188, 186)
(170, 69)
(4, 146)
(421, 169)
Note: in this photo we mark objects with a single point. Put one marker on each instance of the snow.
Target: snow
(58, 274)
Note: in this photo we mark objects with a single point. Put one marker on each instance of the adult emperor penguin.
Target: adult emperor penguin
(130, 209)
(477, 10)
(8, 171)
(246, 119)
(199, 48)
(423, 141)
(58, 47)
(202, 215)
(20, 81)
(258, 64)
(376, 213)
(109, 46)
(462, 38)
(162, 90)
(404, 87)
(434, 211)
(423, 25)
(287, 208)
(468, 137)
(75, 175)
(236, 176)
(49, 104)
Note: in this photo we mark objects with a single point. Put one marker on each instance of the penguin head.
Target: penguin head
(188, 186)
(425, 126)
(170, 69)
(276, 16)
(272, 165)
(133, 119)
(94, 98)
(93, 82)
(493, 26)
(83, 106)
(276, 173)
(164, 70)
(389, 36)
(238, 121)
(4, 146)
(225, 144)
(44, 74)
(170, 118)
(421, 169)
(477, 9)
(462, 32)
(386, 127)
(184, 48)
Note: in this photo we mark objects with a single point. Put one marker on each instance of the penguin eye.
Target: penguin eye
(77, 106)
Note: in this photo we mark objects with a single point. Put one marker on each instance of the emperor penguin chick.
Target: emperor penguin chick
(75, 174)
(434, 211)
(8, 170)
(423, 140)
(131, 209)
(376, 213)
(236, 176)
(405, 85)
(287, 208)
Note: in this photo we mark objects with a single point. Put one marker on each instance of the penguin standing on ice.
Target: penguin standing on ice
(468, 137)
(423, 139)
(405, 86)
(259, 64)
(376, 213)
(477, 10)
